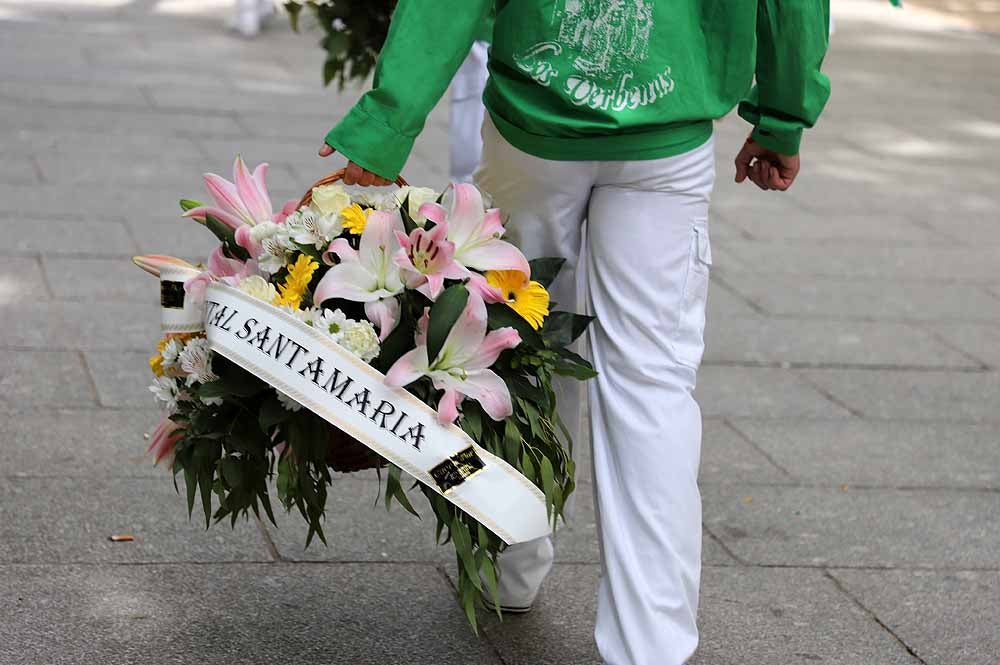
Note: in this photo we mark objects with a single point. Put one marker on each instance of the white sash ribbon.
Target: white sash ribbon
(312, 369)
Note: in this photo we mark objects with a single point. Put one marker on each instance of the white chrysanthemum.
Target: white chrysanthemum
(417, 197)
(330, 199)
(359, 338)
(257, 287)
(308, 227)
(287, 402)
(170, 353)
(196, 361)
(166, 390)
(306, 316)
(333, 323)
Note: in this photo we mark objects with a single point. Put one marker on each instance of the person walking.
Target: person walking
(598, 145)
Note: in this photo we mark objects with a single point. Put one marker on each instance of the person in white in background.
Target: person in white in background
(467, 113)
(251, 15)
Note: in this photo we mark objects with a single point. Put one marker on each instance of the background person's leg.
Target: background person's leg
(647, 267)
(545, 203)
(466, 114)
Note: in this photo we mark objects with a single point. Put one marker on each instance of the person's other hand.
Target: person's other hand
(766, 168)
(354, 174)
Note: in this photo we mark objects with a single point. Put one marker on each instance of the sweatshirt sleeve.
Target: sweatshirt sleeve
(792, 38)
(426, 44)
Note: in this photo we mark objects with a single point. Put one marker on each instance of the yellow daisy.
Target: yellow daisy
(529, 299)
(156, 362)
(355, 218)
(296, 282)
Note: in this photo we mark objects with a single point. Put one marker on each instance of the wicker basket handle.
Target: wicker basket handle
(336, 176)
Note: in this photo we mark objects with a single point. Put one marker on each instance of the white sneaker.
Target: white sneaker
(506, 609)
(247, 20)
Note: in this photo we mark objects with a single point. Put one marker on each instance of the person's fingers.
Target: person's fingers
(775, 180)
(743, 162)
(326, 150)
(757, 173)
(352, 174)
(382, 182)
(367, 179)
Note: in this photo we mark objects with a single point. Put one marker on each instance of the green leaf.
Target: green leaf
(404, 211)
(528, 467)
(271, 413)
(205, 485)
(394, 490)
(444, 313)
(191, 485)
(511, 441)
(227, 236)
(562, 328)
(463, 547)
(572, 364)
(190, 204)
(548, 483)
(399, 341)
(544, 270)
(502, 316)
(294, 9)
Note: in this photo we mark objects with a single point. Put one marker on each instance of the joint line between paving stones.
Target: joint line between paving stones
(90, 377)
(875, 367)
(743, 435)
(724, 546)
(830, 396)
(268, 541)
(486, 635)
(873, 616)
(733, 292)
(944, 342)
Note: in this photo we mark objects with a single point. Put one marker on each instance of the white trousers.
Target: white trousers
(467, 112)
(635, 236)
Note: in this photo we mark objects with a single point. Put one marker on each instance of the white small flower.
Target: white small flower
(276, 243)
(257, 287)
(360, 338)
(166, 390)
(196, 361)
(333, 323)
(330, 199)
(211, 401)
(306, 316)
(287, 402)
(308, 227)
(417, 197)
(170, 353)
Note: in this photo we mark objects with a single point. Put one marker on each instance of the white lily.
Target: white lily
(461, 368)
(368, 274)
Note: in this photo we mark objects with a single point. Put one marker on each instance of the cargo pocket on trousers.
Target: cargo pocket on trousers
(689, 343)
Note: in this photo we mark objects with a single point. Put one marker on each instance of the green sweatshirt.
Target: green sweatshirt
(599, 79)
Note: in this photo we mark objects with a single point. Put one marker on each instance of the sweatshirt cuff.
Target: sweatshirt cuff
(783, 142)
(371, 144)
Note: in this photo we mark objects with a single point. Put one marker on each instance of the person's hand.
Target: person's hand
(766, 168)
(356, 175)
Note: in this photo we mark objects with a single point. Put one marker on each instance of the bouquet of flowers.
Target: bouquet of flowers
(418, 285)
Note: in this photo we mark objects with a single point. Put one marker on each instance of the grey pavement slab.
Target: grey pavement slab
(62, 324)
(724, 305)
(22, 280)
(933, 395)
(872, 299)
(60, 237)
(117, 280)
(70, 93)
(824, 526)
(854, 343)
(857, 228)
(69, 520)
(246, 613)
(122, 379)
(761, 391)
(84, 443)
(881, 453)
(945, 264)
(761, 615)
(727, 456)
(44, 379)
(946, 617)
(165, 234)
(981, 341)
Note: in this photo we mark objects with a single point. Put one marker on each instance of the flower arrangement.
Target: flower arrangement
(418, 284)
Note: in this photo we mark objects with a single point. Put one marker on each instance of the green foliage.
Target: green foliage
(444, 313)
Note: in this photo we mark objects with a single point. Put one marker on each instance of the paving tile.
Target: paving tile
(60, 324)
(21, 281)
(828, 298)
(35, 236)
(951, 264)
(100, 280)
(69, 520)
(70, 93)
(803, 526)
(257, 614)
(122, 378)
(41, 379)
(914, 395)
(120, 121)
(761, 392)
(796, 342)
(873, 453)
(977, 340)
(84, 443)
(860, 228)
(728, 457)
(724, 305)
(912, 604)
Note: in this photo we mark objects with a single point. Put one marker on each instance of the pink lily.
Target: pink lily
(164, 439)
(476, 232)
(153, 263)
(426, 259)
(243, 201)
(220, 268)
(368, 274)
(461, 368)
(486, 291)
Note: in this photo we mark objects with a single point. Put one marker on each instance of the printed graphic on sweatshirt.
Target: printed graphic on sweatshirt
(601, 41)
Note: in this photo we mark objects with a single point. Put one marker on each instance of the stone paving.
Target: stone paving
(851, 466)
